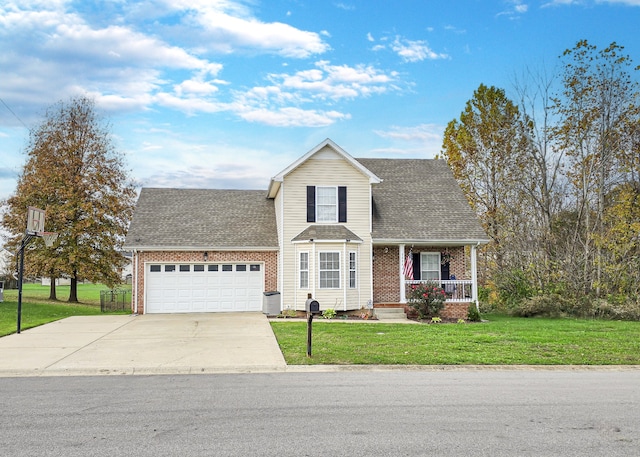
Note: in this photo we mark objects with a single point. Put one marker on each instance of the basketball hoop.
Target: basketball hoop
(49, 238)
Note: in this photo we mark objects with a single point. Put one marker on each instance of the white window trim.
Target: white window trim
(334, 219)
(300, 270)
(422, 263)
(354, 269)
(320, 270)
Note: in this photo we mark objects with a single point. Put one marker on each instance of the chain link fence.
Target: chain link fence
(115, 300)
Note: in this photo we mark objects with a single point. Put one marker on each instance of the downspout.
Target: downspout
(280, 273)
(134, 278)
(371, 257)
(296, 267)
(403, 297)
(346, 275)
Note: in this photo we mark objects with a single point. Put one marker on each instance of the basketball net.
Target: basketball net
(49, 238)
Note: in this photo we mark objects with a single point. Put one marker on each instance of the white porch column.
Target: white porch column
(474, 276)
(403, 297)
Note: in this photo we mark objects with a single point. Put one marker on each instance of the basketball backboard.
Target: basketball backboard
(35, 220)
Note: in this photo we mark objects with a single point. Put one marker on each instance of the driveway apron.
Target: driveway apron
(147, 344)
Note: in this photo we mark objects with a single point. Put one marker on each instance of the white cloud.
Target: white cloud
(516, 9)
(227, 26)
(292, 117)
(415, 51)
(335, 82)
(423, 138)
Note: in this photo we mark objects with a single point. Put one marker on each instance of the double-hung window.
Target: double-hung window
(430, 266)
(326, 204)
(329, 270)
(352, 270)
(304, 270)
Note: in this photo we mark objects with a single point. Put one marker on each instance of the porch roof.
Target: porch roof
(327, 233)
(419, 200)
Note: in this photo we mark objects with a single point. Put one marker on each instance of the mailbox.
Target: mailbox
(312, 306)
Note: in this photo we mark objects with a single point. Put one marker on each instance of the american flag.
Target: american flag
(408, 266)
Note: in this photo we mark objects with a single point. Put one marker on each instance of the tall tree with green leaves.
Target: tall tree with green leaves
(75, 174)
(483, 148)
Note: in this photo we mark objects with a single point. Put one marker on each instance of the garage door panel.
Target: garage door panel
(170, 290)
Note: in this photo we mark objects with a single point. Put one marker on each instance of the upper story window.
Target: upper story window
(326, 204)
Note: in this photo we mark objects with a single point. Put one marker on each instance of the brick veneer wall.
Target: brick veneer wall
(386, 284)
(269, 258)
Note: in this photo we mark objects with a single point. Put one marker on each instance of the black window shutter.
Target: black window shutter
(444, 271)
(342, 204)
(311, 203)
(416, 266)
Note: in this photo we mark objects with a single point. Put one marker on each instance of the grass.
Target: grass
(37, 309)
(500, 341)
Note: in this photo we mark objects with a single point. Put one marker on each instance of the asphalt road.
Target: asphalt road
(393, 413)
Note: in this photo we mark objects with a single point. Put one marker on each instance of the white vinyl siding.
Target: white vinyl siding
(304, 270)
(326, 204)
(430, 266)
(325, 169)
(329, 270)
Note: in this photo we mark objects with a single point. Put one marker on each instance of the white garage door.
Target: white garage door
(203, 288)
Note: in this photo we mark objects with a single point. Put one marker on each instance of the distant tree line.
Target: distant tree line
(554, 176)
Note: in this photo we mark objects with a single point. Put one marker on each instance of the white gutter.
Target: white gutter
(327, 241)
(202, 248)
(430, 242)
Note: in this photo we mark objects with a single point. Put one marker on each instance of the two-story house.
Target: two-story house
(349, 232)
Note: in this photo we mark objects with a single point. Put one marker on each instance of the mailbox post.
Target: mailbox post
(311, 307)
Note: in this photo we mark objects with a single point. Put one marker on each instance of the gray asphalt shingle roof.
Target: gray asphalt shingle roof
(203, 218)
(327, 232)
(419, 199)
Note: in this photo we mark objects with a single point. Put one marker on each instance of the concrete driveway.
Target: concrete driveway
(147, 344)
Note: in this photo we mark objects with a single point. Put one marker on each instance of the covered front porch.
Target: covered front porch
(451, 267)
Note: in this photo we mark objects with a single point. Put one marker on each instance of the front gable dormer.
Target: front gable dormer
(323, 213)
(327, 150)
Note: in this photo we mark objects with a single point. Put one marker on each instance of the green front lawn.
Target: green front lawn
(500, 341)
(38, 310)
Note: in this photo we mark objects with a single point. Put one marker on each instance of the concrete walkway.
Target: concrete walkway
(147, 344)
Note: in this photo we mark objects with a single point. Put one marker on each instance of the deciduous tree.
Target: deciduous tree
(75, 174)
(483, 148)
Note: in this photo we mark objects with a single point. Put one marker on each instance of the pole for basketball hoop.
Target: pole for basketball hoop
(35, 225)
(23, 244)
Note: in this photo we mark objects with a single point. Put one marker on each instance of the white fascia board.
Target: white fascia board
(468, 242)
(274, 187)
(373, 179)
(327, 241)
(200, 248)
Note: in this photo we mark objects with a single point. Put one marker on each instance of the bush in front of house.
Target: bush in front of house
(427, 299)
(473, 315)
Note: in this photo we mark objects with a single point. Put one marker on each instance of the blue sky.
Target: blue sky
(227, 93)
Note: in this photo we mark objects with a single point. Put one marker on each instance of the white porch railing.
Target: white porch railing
(456, 290)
